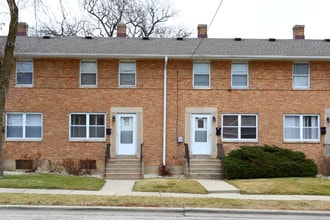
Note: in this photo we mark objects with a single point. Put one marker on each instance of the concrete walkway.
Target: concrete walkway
(215, 188)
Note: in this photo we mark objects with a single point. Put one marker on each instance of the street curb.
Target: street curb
(183, 210)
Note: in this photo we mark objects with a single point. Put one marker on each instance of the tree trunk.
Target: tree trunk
(5, 69)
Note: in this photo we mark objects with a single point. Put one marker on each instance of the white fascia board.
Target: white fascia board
(161, 56)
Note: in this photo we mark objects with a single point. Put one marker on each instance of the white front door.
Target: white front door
(200, 134)
(126, 134)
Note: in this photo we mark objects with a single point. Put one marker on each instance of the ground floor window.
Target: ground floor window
(24, 126)
(301, 128)
(239, 127)
(87, 126)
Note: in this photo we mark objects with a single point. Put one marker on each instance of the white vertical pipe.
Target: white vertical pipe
(164, 122)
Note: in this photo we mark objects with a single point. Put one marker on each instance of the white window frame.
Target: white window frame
(301, 128)
(87, 138)
(122, 72)
(81, 73)
(245, 73)
(17, 72)
(300, 75)
(24, 125)
(239, 127)
(208, 73)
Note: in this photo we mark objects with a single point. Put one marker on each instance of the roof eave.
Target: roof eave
(180, 56)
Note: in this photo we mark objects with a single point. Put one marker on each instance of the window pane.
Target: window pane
(230, 132)
(292, 121)
(24, 66)
(292, 133)
(78, 132)
(96, 132)
(78, 119)
(301, 69)
(96, 119)
(33, 131)
(201, 80)
(248, 133)
(126, 137)
(300, 81)
(239, 68)
(239, 80)
(33, 120)
(88, 67)
(14, 131)
(24, 78)
(200, 136)
(127, 67)
(88, 79)
(127, 79)
(249, 120)
(230, 120)
(15, 119)
(201, 68)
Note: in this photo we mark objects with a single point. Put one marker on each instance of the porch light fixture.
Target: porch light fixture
(214, 119)
(113, 118)
(328, 119)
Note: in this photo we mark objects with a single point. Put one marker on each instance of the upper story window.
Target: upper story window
(24, 126)
(239, 75)
(201, 75)
(24, 73)
(127, 74)
(301, 76)
(87, 126)
(301, 128)
(88, 73)
(239, 127)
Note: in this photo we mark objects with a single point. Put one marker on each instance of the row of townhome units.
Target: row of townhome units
(129, 105)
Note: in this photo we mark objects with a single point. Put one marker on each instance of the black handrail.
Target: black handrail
(141, 161)
(187, 157)
(221, 152)
(106, 157)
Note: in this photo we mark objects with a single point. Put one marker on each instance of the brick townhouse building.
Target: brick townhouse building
(136, 103)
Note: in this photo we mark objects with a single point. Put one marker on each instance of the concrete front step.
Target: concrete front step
(123, 169)
(205, 169)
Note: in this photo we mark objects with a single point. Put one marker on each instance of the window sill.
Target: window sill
(87, 140)
(24, 86)
(240, 140)
(238, 88)
(201, 87)
(23, 139)
(302, 142)
(301, 88)
(88, 86)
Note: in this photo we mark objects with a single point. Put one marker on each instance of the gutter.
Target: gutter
(164, 121)
(182, 56)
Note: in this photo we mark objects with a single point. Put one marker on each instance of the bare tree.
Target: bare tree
(108, 14)
(6, 64)
(142, 17)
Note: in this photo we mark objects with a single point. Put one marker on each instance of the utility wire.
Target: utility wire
(209, 26)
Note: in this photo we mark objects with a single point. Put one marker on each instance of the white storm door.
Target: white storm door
(126, 135)
(201, 135)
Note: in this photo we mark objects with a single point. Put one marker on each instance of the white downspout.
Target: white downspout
(164, 122)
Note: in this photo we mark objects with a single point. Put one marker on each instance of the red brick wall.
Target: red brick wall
(56, 93)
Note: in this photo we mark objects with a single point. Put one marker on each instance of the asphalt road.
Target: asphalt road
(99, 213)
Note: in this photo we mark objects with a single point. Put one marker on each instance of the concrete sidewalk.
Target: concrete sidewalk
(215, 188)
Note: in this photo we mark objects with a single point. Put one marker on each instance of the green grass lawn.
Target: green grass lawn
(284, 186)
(51, 181)
(169, 186)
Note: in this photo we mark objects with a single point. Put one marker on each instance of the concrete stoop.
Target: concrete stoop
(204, 168)
(123, 169)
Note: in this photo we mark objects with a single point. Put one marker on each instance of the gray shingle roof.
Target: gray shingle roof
(207, 48)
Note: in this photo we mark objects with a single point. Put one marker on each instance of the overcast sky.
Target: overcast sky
(235, 18)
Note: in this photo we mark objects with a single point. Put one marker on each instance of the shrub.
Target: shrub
(72, 166)
(165, 170)
(267, 162)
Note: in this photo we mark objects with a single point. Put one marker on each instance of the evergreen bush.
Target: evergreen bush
(267, 162)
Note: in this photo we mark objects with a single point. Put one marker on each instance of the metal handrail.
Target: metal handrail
(141, 161)
(106, 156)
(187, 157)
(221, 152)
